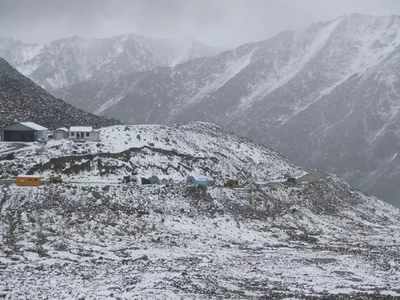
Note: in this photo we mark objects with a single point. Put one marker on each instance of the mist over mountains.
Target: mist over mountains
(325, 96)
(68, 61)
(210, 170)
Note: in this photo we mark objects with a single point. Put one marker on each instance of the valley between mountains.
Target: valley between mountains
(326, 96)
(213, 174)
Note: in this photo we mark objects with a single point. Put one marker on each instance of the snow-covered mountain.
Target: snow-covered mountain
(68, 61)
(95, 237)
(17, 52)
(326, 96)
(21, 99)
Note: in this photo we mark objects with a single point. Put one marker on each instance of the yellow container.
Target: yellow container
(28, 181)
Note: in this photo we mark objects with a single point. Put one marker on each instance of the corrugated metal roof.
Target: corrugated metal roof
(201, 178)
(81, 129)
(33, 126)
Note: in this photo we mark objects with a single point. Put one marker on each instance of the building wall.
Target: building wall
(19, 136)
(82, 136)
(42, 135)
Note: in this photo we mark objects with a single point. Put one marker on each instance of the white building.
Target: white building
(83, 134)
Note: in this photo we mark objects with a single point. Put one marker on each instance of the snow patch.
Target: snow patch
(233, 68)
(110, 103)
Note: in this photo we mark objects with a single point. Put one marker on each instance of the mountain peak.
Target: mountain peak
(75, 59)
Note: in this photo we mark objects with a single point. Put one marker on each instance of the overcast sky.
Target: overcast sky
(216, 22)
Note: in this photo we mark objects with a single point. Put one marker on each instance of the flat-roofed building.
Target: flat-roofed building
(83, 134)
(24, 132)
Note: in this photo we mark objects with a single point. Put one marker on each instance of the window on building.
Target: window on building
(72, 133)
(87, 134)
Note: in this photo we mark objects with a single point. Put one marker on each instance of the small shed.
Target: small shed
(231, 183)
(28, 180)
(24, 132)
(151, 180)
(83, 134)
(198, 181)
(61, 133)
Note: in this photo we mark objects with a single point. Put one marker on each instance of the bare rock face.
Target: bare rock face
(326, 96)
(21, 99)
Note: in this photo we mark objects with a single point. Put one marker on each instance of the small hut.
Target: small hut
(231, 183)
(61, 133)
(198, 181)
(151, 180)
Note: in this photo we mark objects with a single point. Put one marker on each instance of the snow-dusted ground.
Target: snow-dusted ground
(139, 241)
(170, 153)
(106, 240)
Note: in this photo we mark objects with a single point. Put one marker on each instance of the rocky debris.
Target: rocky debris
(92, 235)
(133, 241)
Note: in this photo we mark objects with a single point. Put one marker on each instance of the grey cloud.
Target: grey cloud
(219, 22)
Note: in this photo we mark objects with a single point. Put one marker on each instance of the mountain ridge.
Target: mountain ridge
(21, 99)
(63, 62)
(270, 89)
(300, 92)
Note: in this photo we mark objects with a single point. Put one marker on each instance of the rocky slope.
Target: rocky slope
(326, 96)
(23, 100)
(93, 237)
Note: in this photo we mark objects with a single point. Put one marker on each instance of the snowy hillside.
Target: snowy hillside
(167, 152)
(326, 97)
(94, 237)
